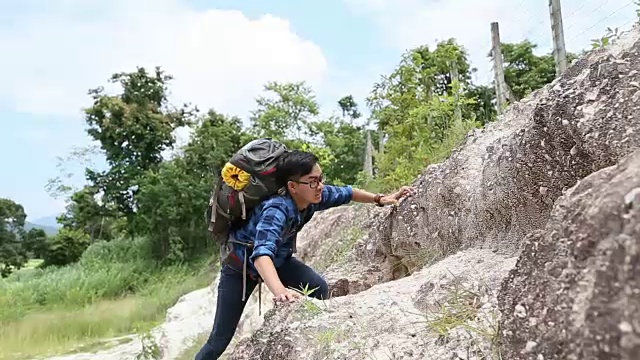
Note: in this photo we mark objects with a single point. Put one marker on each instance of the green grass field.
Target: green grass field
(112, 291)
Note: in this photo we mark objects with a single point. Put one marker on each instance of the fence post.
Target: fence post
(557, 31)
(498, 68)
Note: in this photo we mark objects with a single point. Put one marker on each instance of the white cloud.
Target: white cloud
(407, 23)
(219, 58)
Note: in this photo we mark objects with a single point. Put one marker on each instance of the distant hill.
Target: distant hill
(48, 224)
(47, 221)
(49, 230)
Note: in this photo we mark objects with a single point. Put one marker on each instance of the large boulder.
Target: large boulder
(446, 311)
(502, 182)
(575, 292)
(498, 186)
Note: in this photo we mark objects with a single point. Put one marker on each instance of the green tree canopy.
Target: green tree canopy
(12, 253)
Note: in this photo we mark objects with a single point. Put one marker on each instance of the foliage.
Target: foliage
(417, 107)
(287, 113)
(66, 247)
(349, 108)
(524, 71)
(173, 197)
(341, 149)
(82, 157)
(480, 100)
(133, 128)
(12, 254)
(35, 243)
(85, 213)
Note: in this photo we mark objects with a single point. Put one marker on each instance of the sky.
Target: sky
(222, 52)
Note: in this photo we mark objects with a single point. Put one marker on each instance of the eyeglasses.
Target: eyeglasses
(313, 184)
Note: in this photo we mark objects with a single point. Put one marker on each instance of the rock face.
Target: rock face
(421, 280)
(502, 182)
(498, 188)
(575, 292)
(404, 319)
(327, 242)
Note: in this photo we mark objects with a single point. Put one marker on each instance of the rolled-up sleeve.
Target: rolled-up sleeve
(333, 196)
(268, 231)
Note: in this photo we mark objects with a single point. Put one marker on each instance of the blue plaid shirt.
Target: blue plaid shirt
(274, 224)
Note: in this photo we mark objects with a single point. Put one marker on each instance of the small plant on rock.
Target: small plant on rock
(150, 349)
(461, 311)
(310, 307)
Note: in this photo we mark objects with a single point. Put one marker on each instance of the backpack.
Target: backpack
(247, 179)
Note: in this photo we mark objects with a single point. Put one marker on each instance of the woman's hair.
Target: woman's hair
(293, 165)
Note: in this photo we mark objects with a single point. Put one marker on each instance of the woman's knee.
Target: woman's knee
(322, 290)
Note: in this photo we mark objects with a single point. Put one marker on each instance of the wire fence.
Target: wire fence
(586, 19)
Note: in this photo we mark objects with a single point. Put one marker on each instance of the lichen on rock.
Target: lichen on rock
(575, 292)
(489, 202)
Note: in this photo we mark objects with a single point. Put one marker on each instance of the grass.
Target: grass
(339, 253)
(114, 290)
(33, 263)
(460, 309)
(191, 352)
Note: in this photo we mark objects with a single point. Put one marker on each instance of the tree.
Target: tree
(343, 146)
(341, 143)
(449, 58)
(215, 138)
(133, 129)
(84, 213)
(287, 113)
(173, 197)
(12, 253)
(414, 107)
(35, 242)
(524, 71)
(419, 76)
(82, 157)
(66, 247)
(349, 108)
(481, 103)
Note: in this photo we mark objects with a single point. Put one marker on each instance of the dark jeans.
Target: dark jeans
(293, 273)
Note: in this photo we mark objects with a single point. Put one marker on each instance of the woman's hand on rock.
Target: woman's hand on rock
(287, 296)
(393, 198)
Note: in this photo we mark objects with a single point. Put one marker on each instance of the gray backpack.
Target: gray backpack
(229, 205)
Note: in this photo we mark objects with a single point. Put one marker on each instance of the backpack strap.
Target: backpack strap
(244, 272)
(213, 202)
(232, 240)
(244, 208)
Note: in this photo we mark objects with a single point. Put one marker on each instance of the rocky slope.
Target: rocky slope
(403, 319)
(496, 189)
(575, 292)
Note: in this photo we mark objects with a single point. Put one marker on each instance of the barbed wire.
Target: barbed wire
(547, 31)
(603, 20)
(573, 13)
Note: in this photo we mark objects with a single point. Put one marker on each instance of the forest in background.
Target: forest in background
(134, 237)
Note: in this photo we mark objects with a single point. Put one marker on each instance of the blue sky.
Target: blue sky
(222, 51)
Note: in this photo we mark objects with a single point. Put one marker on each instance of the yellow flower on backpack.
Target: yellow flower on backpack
(235, 177)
